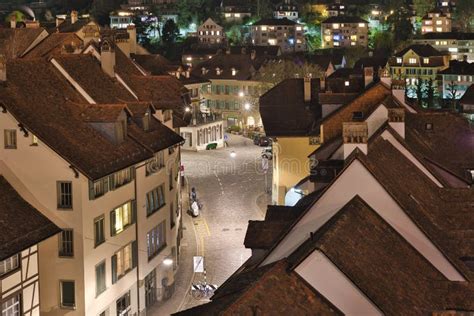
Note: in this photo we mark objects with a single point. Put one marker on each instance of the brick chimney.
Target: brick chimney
(132, 34)
(368, 75)
(59, 21)
(396, 120)
(73, 17)
(3, 69)
(107, 56)
(307, 88)
(355, 135)
(13, 22)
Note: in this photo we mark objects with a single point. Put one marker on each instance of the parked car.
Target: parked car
(267, 153)
(264, 141)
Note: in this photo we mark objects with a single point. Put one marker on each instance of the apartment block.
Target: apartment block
(344, 31)
(287, 34)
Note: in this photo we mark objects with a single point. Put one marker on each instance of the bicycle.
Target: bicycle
(202, 290)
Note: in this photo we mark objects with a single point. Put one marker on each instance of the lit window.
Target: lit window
(439, 29)
(346, 83)
(121, 218)
(34, 140)
(412, 60)
(189, 58)
(361, 24)
(123, 261)
(272, 41)
(335, 26)
(227, 15)
(298, 28)
(263, 28)
(399, 60)
(237, 15)
(353, 43)
(426, 60)
(439, 22)
(218, 33)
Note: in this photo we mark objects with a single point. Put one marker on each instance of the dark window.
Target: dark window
(66, 243)
(100, 278)
(64, 194)
(11, 306)
(170, 176)
(155, 199)
(10, 138)
(9, 264)
(123, 305)
(172, 214)
(99, 233)
(156, 240)
(429, 126)
(68, 299)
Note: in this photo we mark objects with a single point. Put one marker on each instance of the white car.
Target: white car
(267, 153)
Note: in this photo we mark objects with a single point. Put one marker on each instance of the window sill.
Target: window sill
(62, 208)
(155, 210)
(68, 307)
(10, 147)
(124, 229)
(97, 245)
(65, 256)
(7, 274)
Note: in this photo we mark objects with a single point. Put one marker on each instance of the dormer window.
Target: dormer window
(218, 71)
(429, 126)
(426, 60)
(203, 70)
(120, 130)
(412, 60)
(399, 60)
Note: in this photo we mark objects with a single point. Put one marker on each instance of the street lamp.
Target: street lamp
(187, 109)
(241, 94)
(232, 154)
(247, 106)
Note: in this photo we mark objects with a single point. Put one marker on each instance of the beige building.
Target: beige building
(436, 21)
(344, 31)
(287, 34)
(102, 142)
(22, 228)
(210, 32)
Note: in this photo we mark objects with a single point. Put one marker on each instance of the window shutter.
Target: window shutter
(112, 182)
(134, 254)
(134, 211)
(91, 190)
(132, 173)
(114, 269)
(112, 223)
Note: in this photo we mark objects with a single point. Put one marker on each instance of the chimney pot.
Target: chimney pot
(13, 22)
(107, 56)
(73, 17)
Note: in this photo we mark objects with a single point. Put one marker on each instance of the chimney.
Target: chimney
(107, 57)
(368, 75)
(3, 69)
(73, 17)
(188, 73)
(307, 88)
(132, 34)
(13, 22)
(59, 21)
(253, 54)
(355, 135)
(396, 120)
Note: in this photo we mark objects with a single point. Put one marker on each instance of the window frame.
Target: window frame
(61, 302)
(19, 302)
(6, 138)
(153, 196)
(152, 239)
(97, 242)
(101, 290)
(128, 308)
(61, 243)
(59, 194)
(13, 269)
(132, 217)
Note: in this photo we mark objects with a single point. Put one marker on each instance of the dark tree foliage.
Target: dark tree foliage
(170, 32)
(430, 91)
(400, 25)
(101, 9)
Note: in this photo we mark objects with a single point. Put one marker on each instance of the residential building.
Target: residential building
(121, 19)
(467, 103)
(436, 21)
(84, 28)
(233, 92)
(22, 228)
(287, 34)
(235, 10)
(286, 9)
(456, 79)
(344, 31)
(110, 181)
(456, 44)
(343, 245)
(417, 62)
(210, 32)
(336, 9)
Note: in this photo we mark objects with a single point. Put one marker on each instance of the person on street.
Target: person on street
(193, 194)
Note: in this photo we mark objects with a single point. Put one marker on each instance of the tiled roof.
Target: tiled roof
(54, 117)
(422, 50)
(22, 225)
(154, 64)
(14, 42)
(468, 97)
(344, 19)
(68, 27)
(106, 113)
(458, 68)
(243, 64)
(266, 290)
(258, 49)
(376, 62)
(275, 22)
(284, 111)
(52, 42)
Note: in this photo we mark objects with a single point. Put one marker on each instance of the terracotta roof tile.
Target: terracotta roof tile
(54, 43)
(14, 42)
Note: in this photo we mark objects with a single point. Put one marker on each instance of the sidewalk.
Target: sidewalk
(184, 274)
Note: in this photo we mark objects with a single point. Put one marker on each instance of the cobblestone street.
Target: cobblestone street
(232, 193)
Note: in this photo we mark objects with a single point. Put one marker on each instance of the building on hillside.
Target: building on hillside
(287, 34)
(336, 9)
(286, 9)
(233, 91)
(210, 32)
(22, 228)
(235, 10)
(394, 232)
(456, 44)
(417, 62)
(110, 182)
(121, 19)
(344, 31)
(456, 79)
(467, 103)
(436, 21)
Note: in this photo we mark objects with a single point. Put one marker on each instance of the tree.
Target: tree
(465, 15)
(400, 25)
(430, 91)
(234, 35)
(420, 91)
(262, 9)
(194, 11)
(170, 32)
(381, 42)
(276, 71)
(422, 6)
(453, 94)
(101, 9)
